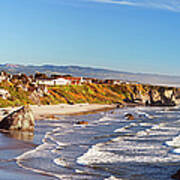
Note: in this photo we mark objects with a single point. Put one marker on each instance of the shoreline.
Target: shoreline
(50, 111)
(41, 112)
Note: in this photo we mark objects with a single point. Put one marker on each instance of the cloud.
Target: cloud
(129, 3)
(171, 5)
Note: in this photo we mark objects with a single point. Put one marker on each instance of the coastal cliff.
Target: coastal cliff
(156, 96)
(137, 94)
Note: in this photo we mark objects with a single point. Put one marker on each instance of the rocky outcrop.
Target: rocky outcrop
(21, 119)
(129, 116)
(162, 97)
(157, 96)
(82, 123)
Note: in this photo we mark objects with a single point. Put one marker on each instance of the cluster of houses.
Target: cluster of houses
(55, 79)
(38, 83)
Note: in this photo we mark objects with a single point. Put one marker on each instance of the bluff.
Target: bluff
(137, 94)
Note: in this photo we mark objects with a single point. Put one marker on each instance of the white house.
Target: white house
(61, 81)
(53, 82)
(2, 76)
(4, 93)
(48, 82)
(118, 82)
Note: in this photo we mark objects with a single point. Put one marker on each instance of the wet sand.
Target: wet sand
(11, 147)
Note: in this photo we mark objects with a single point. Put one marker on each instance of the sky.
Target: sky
(125, 35)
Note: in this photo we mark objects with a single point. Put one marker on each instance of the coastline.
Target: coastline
(49, 111)
(20, 142)
(21, 149)
(41, 112)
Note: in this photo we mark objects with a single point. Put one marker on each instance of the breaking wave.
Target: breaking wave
(109, 146)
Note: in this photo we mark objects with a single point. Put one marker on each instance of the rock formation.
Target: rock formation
(129, 116)
(21, 119)
(162, 97)
(82, 123)
(157, 96)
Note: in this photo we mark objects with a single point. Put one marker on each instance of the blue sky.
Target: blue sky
(129, 35)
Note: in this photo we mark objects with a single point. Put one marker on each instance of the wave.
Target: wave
(175, 142)
(108, 140)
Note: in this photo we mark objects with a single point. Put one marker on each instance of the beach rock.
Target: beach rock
(176, 175)
(119, 105)
(82, 123)
(129, 116)
(21, 119)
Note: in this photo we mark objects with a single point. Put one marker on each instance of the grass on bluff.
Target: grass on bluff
(91, 93)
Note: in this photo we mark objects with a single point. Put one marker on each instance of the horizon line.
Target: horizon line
(94, 67)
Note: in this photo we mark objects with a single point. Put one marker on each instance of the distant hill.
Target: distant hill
(93, 72)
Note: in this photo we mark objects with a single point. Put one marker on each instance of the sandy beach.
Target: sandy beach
(61, 109)
(65, 109)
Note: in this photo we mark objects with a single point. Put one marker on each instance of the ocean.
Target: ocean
(109, 147)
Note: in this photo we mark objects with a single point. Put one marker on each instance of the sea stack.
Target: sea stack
(21, 119)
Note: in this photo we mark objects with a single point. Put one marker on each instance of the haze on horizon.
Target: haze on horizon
(134, 36)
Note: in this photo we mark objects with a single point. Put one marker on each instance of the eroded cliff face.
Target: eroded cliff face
(156, 96)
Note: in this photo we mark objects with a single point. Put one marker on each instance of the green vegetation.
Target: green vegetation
(72, 94)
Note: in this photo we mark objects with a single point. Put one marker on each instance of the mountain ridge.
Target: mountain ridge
(101, 73)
